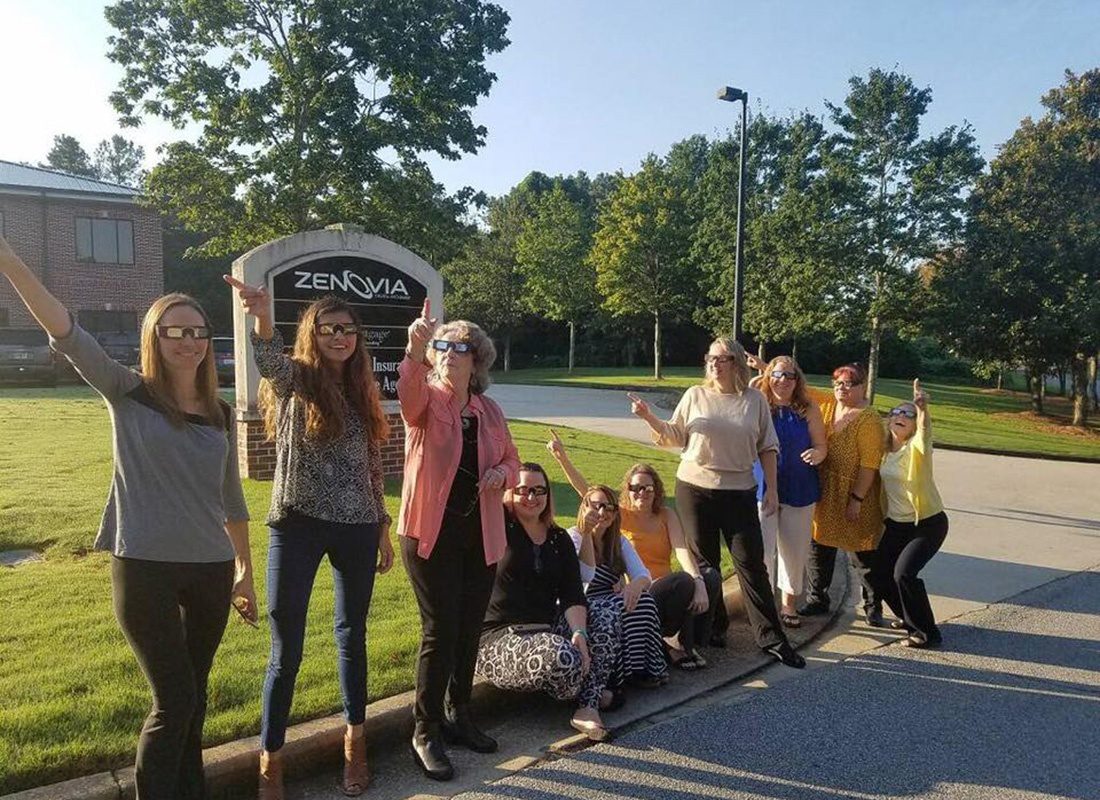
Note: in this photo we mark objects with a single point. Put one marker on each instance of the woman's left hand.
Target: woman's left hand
(492, 479)
(771, 502)
(385, 550)
(699, 601)
(243, 597)
(631, 592)
(813, 456)
(920, 397)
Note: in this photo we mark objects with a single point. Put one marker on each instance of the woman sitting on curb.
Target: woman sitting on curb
(539, 633)
(916, 524)
(684, 599)
(610, 568)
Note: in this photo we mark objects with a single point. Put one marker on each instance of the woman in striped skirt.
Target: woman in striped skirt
(610, 567)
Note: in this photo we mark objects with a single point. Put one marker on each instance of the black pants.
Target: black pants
(673, 594)
(173, 616)
(905, 549)
(452, 588)
(819, 573)
(710, 515)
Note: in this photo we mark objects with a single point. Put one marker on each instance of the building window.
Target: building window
(106, 321)
(3, 318)
(104, 241)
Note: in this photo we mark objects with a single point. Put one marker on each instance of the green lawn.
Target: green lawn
(73, 698)
(964, 416)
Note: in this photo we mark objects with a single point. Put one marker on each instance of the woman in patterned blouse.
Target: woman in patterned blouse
(322, 406)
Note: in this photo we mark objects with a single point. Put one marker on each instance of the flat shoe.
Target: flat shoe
(786, 655)
(919, 642)
(595, 731)
(791, 620)
(691, 662)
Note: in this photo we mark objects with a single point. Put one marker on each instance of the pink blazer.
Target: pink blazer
(433, 448)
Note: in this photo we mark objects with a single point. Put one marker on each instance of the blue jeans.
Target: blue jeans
(297, 545)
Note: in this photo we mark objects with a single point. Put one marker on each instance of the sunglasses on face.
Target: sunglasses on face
(442, 345)
(530, 491)
(639, 488)
(846, 384)
(717, 359)
(180, 331)
(600, 507)
(333, 328)
(781, 374)
(901, 411)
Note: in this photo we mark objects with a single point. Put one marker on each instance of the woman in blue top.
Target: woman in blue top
(802, 446)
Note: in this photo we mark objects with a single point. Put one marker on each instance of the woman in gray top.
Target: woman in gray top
(175, 523)
(322, 406)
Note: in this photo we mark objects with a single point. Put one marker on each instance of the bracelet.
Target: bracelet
(700, 578)
(582, 632)
(855, 496)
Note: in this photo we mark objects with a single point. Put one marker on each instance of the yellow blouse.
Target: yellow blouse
(655, 549)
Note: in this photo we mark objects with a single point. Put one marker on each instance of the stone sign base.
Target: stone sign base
(256, 455)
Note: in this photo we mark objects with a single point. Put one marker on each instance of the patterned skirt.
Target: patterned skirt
(642, 654)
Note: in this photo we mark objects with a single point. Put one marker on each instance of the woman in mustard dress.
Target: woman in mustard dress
(848, 515)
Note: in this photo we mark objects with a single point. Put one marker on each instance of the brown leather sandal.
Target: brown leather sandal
(271, 777)
(356, 770)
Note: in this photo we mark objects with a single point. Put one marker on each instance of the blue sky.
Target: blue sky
(598, 85)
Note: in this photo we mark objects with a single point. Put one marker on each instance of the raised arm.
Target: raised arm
(45, 308)
(267, 343)
(574, 476)
(665, 434)
(412, 380)
(922, 439)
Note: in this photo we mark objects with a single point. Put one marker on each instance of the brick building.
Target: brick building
(94, 247)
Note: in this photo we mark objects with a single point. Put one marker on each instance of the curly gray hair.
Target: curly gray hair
(484, 351)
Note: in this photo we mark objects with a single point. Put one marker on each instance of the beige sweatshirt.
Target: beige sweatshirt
(721, 435)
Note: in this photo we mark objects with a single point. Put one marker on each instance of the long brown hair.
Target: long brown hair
(327, 400)
(155, 374)
(546, 516)
(800, 398)
(610, 549)
(658, 486)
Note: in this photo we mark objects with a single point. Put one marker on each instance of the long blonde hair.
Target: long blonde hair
(324, 398)
(741, 372)
(154, 372)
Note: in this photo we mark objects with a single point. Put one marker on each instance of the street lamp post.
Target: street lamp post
(731, 95)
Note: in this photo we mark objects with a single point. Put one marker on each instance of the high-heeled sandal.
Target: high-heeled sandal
(270, 784)
(356, 769)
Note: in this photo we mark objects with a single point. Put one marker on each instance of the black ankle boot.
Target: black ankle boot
(459, 728)
(429, 755)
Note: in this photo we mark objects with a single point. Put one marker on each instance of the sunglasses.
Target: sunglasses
(717, 359)
(781, 374)
(442, 345)
(531, 491)
(333, 328)
(598, 506)
(181, 331)
(639, 488)
(846, 384)
(901, 411)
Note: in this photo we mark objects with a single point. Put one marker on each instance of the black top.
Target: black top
(533, 579)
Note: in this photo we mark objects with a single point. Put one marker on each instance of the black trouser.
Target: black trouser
(173, 616)
(452, 588)
(732, 514)
(905, 549)
(819, 575)
(673, 594)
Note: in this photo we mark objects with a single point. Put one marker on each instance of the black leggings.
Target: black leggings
(905, 548)
(173, 616)
(710, 515)
(452, 588)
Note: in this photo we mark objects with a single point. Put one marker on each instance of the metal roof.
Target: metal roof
(20, 177)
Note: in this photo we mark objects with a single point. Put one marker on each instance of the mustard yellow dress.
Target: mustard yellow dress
(860, 443)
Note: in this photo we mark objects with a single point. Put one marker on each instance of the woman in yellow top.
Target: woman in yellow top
(848, 515)
(685, 600)
(916, 524)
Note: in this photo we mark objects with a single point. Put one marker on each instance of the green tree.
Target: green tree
(67, 155)
(299, 103)
(640, 251)
(899, 198)
(552, 251)
(119, 160)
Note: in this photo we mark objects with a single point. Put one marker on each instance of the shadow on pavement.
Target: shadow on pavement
(1034, 518)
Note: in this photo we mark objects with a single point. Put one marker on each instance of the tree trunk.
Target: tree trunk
(508, 351)
(1035, 385)
(1062, 381)
(572, 344)
(872, 358)
(1093, 381)
(1081, 390)
(1000, 379)
(657, 345)
(762, 350)
(794, 349)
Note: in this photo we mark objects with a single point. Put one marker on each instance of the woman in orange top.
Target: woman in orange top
(684, 599)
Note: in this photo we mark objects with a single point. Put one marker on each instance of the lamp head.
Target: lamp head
(732, 95)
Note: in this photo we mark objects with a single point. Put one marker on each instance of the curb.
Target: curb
(317, 744)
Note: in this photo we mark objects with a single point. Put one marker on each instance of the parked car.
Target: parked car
(25, 357)
(224, 360)
(123, 346)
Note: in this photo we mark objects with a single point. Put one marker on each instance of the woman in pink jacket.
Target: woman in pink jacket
(459, 458)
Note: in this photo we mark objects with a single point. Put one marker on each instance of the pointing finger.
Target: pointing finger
(236, 284)
(426, 312)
